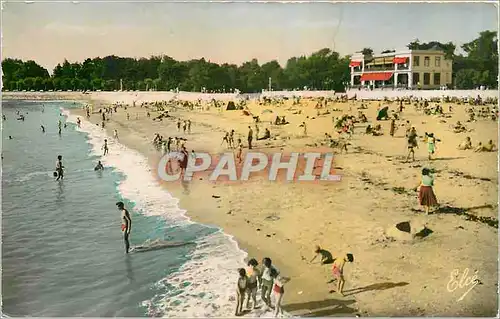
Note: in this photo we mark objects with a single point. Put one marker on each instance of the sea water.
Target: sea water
(63, 252)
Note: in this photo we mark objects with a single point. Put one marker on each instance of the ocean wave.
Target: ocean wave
(205, 285)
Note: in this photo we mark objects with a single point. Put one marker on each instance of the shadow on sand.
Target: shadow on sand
(322, 308)
(379, 286)
(446, 158)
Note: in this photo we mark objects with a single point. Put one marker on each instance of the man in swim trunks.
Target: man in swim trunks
(126, 225)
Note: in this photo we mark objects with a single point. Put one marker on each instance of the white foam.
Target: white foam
(205, 285)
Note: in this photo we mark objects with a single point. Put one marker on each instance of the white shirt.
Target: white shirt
(266, 273)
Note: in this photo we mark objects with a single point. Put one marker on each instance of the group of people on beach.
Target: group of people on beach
(268, 279)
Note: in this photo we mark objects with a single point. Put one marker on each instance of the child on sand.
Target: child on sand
(325, 256)
(426, 195)
(239, 153)
(431, 144)
(278, 290)
(267, 280)
(254, 282)
(241, 288)
(338, 271)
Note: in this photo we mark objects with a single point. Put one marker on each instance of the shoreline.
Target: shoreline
(307, 293)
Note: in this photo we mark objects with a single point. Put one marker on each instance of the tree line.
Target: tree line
(322, 70)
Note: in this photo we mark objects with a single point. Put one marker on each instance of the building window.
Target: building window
(427, 78)
(416, 61)
(427, 61)
(438, 61)
(416, 78)
(437, 78)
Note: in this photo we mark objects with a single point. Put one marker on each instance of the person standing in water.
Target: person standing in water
(105, 147)
(78, 122)
(43, 128)
(59, 168)
(59, 125)
(126, 225)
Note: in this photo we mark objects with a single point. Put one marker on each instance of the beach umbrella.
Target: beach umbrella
(267, 111)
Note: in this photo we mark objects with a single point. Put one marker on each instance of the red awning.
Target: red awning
(355, 63)
(376, 76)
(400, 60)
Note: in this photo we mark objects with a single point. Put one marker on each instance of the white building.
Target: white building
(418, 69)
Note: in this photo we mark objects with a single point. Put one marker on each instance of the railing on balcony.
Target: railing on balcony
(378, 68)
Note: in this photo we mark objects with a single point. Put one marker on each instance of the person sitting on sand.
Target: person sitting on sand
(426, 195)
(338, 271)
(325, 256)
(267, 135)
(369, 129)
(241, 288)
(488, 148)
(459, 128)
(254, 281)
(465, 145)
(377, 130)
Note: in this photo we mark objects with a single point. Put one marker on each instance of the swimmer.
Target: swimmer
(99, 166)
(59, 168)
(43, 128)
(126, 225)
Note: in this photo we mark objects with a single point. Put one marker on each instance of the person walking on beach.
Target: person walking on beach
(184, 126)
(250, 137)
(267, 280)
(241, 288)
(105, 147)
(426, 196)
(256, 131)
(412, 143)
(178, 125)
(184, 160)
(115, 135)
(126, 225)
(231, 139)
(431, 144)
(59, 168)
(338, 271)
(304, 127)
(189, 126)
(254, 282)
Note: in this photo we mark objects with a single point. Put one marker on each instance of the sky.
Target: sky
(49, 32)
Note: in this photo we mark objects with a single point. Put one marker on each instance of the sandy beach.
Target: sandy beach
(391, 276)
